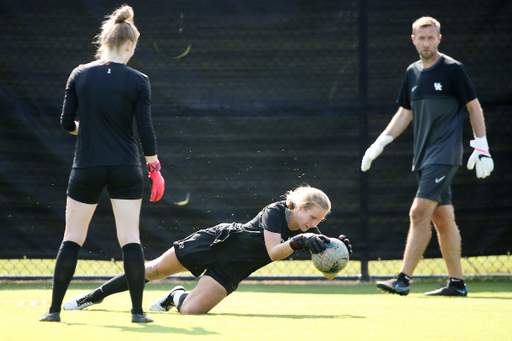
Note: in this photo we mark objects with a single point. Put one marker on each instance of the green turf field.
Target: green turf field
(272, 312)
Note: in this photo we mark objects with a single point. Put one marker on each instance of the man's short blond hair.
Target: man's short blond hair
(426, 22)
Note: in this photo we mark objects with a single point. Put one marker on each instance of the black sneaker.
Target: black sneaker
(166, 302)
(394, 286)
(80, 302)
(141, 318)
(448, 290)
(50, 317)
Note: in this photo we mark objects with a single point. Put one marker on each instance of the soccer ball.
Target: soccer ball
(332, 260)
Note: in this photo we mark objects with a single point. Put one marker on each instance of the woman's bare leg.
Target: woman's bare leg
(204, 297)
(164, 266)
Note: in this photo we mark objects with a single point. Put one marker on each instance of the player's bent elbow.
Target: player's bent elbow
(274, 258)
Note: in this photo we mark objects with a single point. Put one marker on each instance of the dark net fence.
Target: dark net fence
(250, 99)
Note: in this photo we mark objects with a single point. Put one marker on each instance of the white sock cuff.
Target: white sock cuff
(176, 297)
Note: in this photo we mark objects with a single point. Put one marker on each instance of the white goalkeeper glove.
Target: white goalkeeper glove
(375, 149)
(481, 157)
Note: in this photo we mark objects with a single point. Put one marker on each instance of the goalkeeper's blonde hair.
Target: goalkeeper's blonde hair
(307, 196)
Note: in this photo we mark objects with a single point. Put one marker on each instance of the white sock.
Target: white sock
(176, 297)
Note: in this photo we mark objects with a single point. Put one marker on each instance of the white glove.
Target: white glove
(481, 157)
(375, 149)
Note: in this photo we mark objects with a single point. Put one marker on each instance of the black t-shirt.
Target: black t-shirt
(437, 97)
(273, 219)
(106, 97)
(241, 248)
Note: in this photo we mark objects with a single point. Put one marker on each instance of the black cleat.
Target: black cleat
(448, 290)
(394, 286)
(50, 317)
(141, 318)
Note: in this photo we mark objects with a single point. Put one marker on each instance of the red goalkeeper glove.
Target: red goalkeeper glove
(156, 181)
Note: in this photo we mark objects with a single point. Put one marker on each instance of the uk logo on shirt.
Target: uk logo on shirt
(438, 86)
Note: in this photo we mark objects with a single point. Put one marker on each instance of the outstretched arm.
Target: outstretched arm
(397, 125)
(310, 241)
(276, 250)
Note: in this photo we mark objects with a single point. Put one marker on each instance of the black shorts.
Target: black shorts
(434, 183)
(197, 256)
(123, 182)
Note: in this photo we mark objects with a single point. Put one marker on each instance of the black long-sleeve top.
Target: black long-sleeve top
(106, 97)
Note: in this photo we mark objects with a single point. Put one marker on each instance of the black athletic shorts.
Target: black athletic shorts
(196, 254)
(434, 183)
(123, 182)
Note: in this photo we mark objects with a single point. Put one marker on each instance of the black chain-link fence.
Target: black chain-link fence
(251, 98)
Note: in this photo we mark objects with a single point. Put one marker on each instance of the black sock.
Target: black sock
(65, 266)
(181, 300)
(404, 278)
(135, 272)
(457, 283)
(113, 286)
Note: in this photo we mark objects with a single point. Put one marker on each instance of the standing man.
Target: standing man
(434, 93)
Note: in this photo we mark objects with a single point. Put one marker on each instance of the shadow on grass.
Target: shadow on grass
(501, 290)
(152, 328)
(489, 298)
(265, 316)
(293, 317)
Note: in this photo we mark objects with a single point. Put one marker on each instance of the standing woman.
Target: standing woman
(105, 96)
